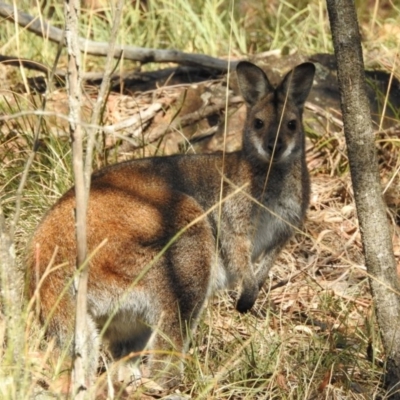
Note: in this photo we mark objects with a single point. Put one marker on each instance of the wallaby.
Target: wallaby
(177, 228)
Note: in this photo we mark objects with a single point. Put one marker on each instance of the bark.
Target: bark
(371, 209)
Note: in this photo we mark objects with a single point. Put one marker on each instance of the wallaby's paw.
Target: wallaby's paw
(248, 296)
(244, 304)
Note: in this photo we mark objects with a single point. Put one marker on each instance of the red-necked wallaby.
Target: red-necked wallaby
(170, 242)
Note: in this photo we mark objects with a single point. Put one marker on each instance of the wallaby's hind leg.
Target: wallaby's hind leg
(189, 259)
(165, 303)
(168, 350)
(170, 343)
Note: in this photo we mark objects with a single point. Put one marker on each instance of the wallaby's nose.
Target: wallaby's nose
(275, 146)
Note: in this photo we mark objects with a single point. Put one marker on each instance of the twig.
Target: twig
(134, 122)
(30, 64)
(110, 129)
(143, 55)
(393, 130)
(325, 114)
(101, 97)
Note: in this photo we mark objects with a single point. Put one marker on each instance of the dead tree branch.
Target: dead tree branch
(143, 55)
(189, 119)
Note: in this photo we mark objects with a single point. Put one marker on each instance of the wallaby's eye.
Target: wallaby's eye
(258, 123)
(292, 124)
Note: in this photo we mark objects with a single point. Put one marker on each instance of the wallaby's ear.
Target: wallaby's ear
(297, 83)
(253, 82)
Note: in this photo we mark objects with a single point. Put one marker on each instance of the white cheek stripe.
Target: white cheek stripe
(288, 150)
(257, 144)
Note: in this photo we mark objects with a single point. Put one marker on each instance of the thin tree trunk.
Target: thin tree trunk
(82, 175)
(80, 360)
(371, 209)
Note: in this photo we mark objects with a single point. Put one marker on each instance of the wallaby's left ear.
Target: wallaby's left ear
(253, 82)
(298, 82)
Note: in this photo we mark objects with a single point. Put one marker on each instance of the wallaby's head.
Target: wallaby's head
(273, 130)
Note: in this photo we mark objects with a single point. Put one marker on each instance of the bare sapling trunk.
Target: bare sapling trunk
(371, 209)
(80, 357)
(82, 175)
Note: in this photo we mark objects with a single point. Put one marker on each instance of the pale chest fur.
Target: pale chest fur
(275, 226)
(274, 223)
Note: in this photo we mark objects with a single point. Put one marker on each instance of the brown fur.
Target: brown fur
(140, 205)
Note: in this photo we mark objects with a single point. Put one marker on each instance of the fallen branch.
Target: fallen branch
(134, 122)
(143, 55)
(139, 121)
(134, 80)
(392, 130)
(189, 119)
(324, 113)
